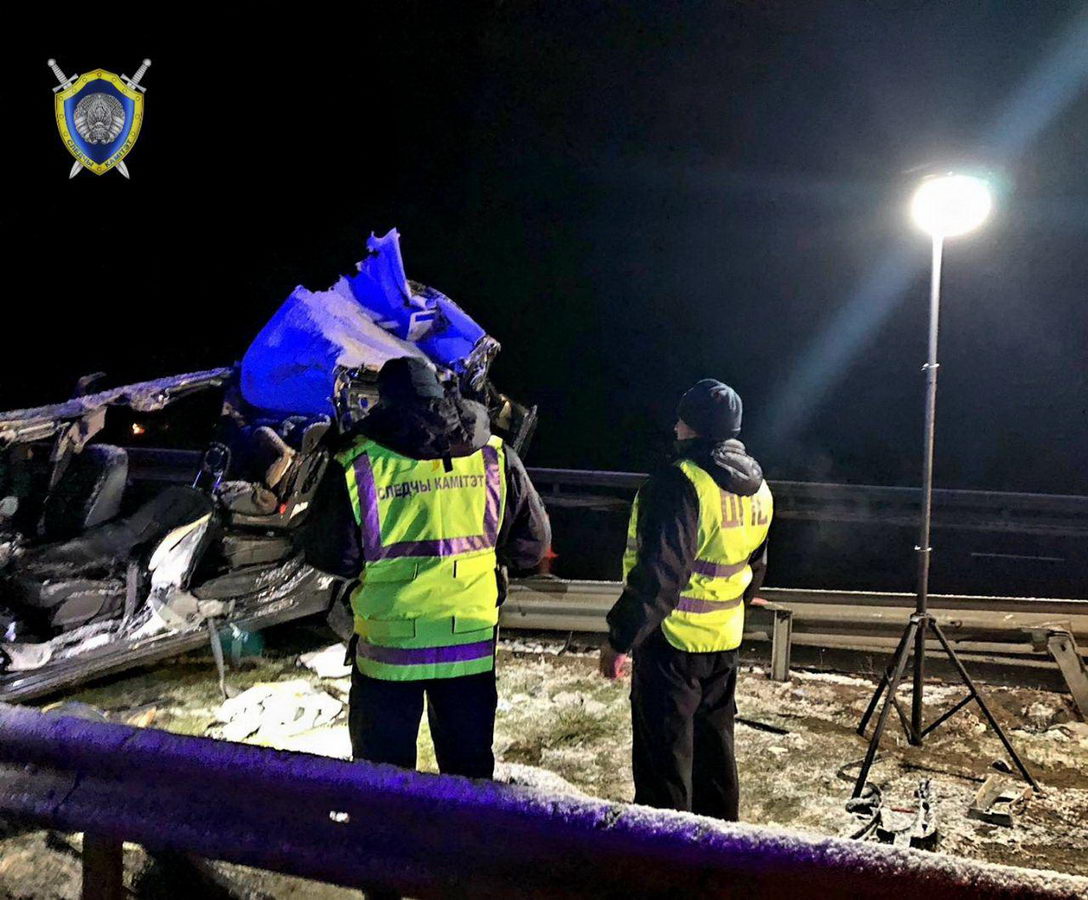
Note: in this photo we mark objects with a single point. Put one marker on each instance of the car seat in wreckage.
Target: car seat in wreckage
(101, 593)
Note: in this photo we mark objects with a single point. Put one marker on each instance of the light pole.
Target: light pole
(944, 206)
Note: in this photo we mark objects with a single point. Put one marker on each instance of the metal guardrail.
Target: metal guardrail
(1041, 514)
(380, 828)
(995, 511)
(551, 603)
(1003, 631)
(832, 620)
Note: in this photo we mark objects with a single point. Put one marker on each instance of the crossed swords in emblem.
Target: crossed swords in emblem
(66, 82)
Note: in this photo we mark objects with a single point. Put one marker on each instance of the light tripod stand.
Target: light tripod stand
(945, 206)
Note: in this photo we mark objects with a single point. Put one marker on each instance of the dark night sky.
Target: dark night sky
(628, 196)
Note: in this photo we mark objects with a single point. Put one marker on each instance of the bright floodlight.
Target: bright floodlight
(950, 205)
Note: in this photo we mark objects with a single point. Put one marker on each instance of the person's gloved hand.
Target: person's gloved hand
(613, 664)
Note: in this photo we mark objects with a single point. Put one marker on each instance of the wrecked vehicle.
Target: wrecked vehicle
(103, 567)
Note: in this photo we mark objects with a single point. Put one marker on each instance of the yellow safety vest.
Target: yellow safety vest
(710, 613)
(425, 606)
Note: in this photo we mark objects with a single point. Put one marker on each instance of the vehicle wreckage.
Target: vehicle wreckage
(96, 577)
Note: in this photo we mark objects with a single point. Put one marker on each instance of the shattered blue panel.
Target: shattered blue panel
(451, 341)
(363, 320)
(290, 369)
(381, 287)
(427, 318)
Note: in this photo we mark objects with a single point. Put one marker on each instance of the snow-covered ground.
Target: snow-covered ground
(557, 714)
(562, 728)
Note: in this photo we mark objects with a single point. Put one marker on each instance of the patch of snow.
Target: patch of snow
(566, 698)
(831, 678)
(536, 778)
(1039, 715)
(327, 663)
(936, 693)
(568, 758)
(562, 729)
(543, 647)
(332, 741)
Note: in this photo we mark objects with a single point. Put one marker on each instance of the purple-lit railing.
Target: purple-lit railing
(432, 836)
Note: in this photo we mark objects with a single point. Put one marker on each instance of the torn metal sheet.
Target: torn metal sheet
(41, 422)
(296, 362)
(94, 579)
(997, 801)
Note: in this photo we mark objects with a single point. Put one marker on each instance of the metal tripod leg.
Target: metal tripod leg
(893, 685)
(982, 704)
(884, 679)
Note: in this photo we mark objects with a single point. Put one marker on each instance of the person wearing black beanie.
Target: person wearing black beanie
(711, 409)
(407, 379)
(696, 556)
(390, 516)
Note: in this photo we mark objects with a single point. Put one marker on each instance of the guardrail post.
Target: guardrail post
(781, 641)
(103, 868)
(1063, 648)
(781, 637)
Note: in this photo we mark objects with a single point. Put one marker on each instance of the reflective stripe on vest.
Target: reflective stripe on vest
(366, 497)
(425, 604)
(710, 613)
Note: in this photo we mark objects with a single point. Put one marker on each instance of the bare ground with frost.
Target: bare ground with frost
(562, 728)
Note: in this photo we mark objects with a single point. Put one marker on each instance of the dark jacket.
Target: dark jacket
(668, 529)
(428, 429)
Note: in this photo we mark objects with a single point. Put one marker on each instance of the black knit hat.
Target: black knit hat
(406, 379)
(712, 409)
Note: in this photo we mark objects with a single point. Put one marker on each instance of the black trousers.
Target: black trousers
(682, 714)
(384, 717)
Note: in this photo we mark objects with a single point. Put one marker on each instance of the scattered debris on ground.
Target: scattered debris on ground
(271, 712)
(563, 729)
(998, 799)
(329, 662)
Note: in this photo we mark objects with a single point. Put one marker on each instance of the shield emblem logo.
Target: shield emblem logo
(99, 119)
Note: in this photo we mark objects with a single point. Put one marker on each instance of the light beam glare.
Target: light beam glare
(1040, 98)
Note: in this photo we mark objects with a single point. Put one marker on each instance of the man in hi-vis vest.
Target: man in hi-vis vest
(696, 553)
(426, 508)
